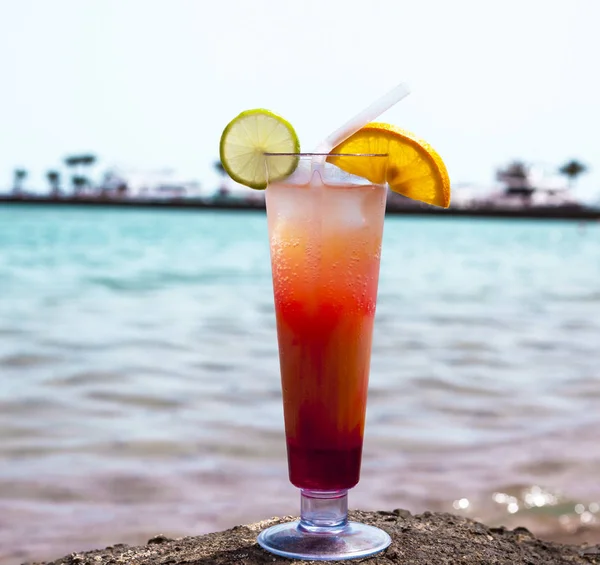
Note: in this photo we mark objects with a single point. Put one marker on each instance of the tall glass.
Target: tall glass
(325, 229)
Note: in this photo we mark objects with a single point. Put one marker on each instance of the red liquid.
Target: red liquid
(325, 315)
(324, 469)
(324, 359)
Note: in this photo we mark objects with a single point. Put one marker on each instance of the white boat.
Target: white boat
(137, 184)
(518, 186)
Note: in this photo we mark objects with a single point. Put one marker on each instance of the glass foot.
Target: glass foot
(350, 541)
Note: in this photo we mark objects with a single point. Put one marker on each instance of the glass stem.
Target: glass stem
(323, 511)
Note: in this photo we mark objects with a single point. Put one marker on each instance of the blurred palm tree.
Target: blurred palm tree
(54, 182)
(223, 188)
(79, 180)
(572, 169)
(76, 160)
(19, 176)
(220, 168)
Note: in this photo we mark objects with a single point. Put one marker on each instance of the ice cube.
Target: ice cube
(344, 208)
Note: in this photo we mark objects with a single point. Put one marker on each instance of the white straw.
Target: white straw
(360, 120)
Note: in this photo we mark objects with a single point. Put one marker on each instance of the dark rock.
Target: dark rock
(443, 539)
(522, 531)
(159, 539)
(384, 513)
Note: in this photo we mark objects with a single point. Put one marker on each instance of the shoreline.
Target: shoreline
(577, 213)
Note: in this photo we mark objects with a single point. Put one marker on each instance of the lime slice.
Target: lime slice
(245, 141)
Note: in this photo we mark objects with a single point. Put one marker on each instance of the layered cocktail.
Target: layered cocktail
(325, 232)
(325, 217)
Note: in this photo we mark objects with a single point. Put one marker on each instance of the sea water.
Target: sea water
(140, 391)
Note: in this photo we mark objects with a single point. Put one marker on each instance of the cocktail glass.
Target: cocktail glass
(325, 230)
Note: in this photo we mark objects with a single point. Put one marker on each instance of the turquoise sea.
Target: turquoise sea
(139, 385)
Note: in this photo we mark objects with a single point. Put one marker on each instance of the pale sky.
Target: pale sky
(150, 84)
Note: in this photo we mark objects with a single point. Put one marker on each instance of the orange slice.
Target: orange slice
(413, 168)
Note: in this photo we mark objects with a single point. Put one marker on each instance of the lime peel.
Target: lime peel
(247, 138)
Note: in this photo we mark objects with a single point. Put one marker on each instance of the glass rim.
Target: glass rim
(269, 154)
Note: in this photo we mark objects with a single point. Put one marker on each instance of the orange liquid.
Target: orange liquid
(325, 275)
